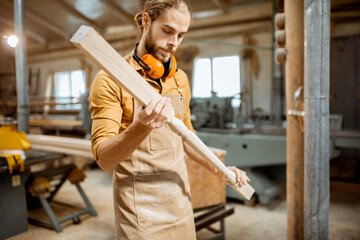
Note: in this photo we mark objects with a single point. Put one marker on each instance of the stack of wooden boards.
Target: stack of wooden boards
(66, 145)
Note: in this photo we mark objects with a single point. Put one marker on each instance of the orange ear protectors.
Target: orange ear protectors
(154, 68)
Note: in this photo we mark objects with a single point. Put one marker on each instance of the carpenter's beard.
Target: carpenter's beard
(153, 49)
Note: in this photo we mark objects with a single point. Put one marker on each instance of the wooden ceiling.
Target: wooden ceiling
(50, 23)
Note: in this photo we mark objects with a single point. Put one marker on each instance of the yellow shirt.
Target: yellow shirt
(112, 107)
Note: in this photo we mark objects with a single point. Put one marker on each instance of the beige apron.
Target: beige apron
(151, 188)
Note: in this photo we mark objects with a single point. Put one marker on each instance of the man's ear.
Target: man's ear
(146, 20)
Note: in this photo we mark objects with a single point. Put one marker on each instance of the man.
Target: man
(151, 189)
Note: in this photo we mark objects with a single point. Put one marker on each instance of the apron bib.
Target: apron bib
(151, 188)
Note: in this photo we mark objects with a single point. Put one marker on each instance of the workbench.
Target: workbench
(205, 217)
(44, 183)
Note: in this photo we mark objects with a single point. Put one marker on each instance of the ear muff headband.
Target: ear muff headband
(139, 61)
(154, 68)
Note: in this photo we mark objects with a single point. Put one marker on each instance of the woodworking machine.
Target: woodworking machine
(255, 146)
(12, 147)
(13, 209)
(22, 189)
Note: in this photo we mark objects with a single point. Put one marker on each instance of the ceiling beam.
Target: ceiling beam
(123, 14)
(116, 32)
(128, 38)
(46, 22)
(345, 29)
(339, 3)
(262, 11)
(224, 4)
(71, 51)
(40, 19)
(29, 33)
(226, 30)
(345, 14)
(75, 12)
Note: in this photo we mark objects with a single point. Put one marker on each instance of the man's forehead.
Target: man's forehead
(175, 19)
(176, 27)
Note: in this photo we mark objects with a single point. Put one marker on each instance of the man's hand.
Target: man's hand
(156, 113)
(241, 177)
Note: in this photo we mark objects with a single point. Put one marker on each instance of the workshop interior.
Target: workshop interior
(275, 88)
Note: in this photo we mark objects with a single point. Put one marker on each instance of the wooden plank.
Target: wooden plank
(41, 103)
(101, 52)
(87, 154)
(66, 145)
(213, 218)
(345, 187)
(54, 123)
(91, 43)
(63, 142)
(209, 212)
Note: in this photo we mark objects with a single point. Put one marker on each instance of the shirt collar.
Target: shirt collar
(133, 63)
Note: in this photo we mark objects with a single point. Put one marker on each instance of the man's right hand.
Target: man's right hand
(156, 113)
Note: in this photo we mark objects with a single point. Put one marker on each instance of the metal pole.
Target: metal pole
(317, 57)
(294, 70)
(21, 72)
(273, 92)
(213, 93)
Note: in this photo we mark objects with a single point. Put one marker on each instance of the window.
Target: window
(218, 75)
(69, 86)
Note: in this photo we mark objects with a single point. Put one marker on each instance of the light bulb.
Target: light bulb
(12, 41)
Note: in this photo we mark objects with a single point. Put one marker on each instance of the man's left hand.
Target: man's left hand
(241, 177)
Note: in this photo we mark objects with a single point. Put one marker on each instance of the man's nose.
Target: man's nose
(173, 41)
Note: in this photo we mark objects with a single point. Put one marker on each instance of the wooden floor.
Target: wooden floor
(257, 223)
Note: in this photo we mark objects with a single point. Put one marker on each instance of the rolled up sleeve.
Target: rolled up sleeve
(105, 107)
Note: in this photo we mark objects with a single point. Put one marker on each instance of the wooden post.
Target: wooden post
(101, 52)
(294, 68)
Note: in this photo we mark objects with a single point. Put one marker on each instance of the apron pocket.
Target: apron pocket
(160, 199)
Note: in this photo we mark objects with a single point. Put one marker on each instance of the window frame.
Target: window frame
(212, 92)
(73, 102)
